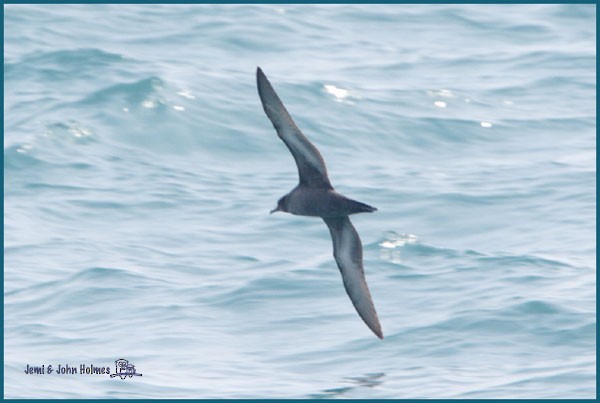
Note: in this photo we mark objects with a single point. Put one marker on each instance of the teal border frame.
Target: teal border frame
(16, 2)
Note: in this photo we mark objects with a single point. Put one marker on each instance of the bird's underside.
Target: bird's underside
(322, 202)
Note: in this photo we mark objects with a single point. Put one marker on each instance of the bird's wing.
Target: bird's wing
(347, 250)
(311, 167)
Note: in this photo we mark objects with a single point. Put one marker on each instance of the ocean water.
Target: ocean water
(139, 170)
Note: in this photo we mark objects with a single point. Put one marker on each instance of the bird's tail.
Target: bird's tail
(357, 207)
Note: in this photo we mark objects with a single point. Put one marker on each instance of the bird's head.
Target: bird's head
(282, 205)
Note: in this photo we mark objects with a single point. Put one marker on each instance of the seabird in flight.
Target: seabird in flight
(314, 196)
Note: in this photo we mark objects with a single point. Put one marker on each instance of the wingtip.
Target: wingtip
(262, 83)
(259, 72)
(376, 328)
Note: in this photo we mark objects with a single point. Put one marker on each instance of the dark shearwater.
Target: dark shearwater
(314, 196)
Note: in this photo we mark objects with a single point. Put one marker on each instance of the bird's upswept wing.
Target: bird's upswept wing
(311, 167)
(347, 250)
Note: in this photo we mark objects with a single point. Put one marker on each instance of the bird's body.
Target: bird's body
(321, 202)
(315, 196)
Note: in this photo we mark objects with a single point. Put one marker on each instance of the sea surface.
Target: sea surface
(140, 169)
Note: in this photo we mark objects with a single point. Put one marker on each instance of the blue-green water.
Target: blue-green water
(139, 170)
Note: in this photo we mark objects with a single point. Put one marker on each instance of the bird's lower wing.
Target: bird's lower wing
(347, 250)
(311, 167)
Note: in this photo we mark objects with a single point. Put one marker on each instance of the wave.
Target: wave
(62, 65)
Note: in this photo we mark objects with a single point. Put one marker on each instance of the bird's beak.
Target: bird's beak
(274, 210)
